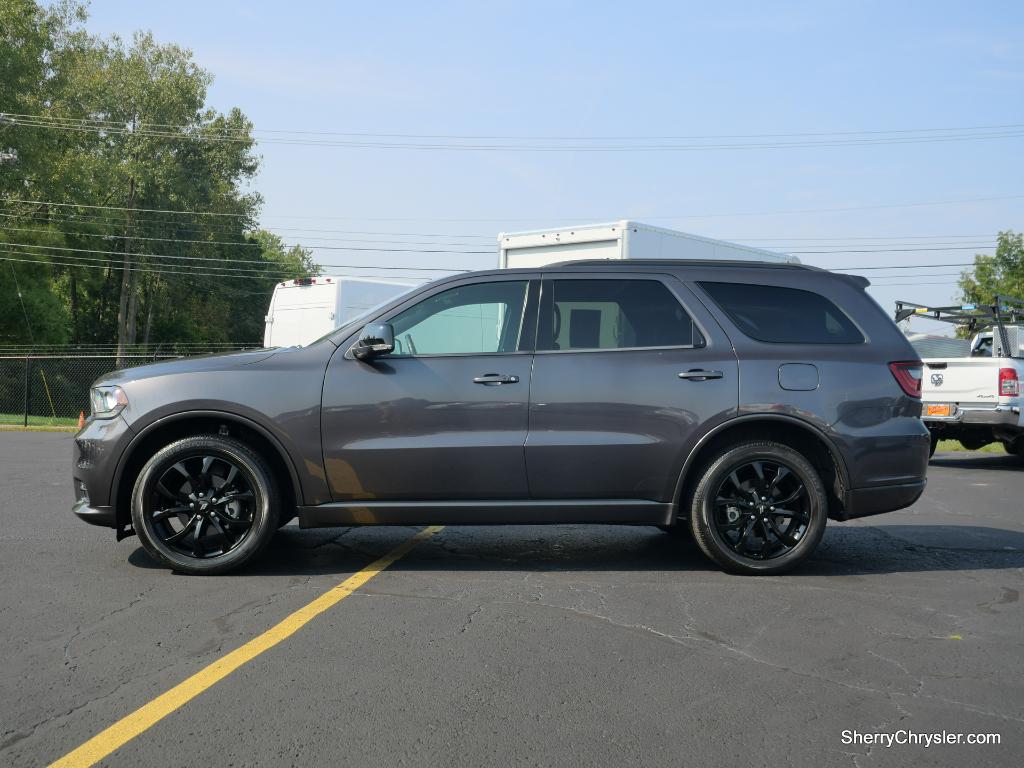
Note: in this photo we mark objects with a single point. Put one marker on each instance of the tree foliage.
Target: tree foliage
(1000, 274)
(125, 216)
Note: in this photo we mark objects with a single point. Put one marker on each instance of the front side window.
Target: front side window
(481, 318)
(613, 314)
(780, 315)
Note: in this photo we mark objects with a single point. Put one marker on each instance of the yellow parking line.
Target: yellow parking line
(148, 715)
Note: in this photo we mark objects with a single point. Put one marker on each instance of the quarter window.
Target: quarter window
(481, 318)
(613, 314)
(783, 315)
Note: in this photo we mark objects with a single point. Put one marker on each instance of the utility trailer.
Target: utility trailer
(975, 397)
(620, 240)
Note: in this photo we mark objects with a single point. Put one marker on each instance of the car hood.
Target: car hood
(190, 365)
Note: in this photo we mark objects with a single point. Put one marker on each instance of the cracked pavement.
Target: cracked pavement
(561, 645)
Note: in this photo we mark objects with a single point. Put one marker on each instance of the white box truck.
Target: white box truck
(305, 309)
(619, 240)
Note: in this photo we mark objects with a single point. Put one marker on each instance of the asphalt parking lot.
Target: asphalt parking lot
(563, 645)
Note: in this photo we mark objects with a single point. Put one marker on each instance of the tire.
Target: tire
(1015, 448)
(724, 531)
(934, 444)
(186, 522)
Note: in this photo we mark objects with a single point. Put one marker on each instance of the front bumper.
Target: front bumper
(861, 502)
(98, 446)
(104, 516)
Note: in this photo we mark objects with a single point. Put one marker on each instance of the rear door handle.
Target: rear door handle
(698, 374)
(495, 378)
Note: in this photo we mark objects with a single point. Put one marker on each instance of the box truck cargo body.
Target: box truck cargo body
(303, 310)
(619, 240)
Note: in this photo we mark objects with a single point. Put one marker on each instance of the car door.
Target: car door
(445, 415)
(630, 371)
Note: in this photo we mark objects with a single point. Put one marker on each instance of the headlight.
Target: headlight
(106, 402)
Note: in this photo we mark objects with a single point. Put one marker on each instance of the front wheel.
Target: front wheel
(759, 509)
(205, 505)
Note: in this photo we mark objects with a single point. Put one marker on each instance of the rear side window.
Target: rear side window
(613, 314)
(783, 315)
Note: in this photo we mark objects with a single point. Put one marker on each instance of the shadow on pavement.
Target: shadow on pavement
(845, 550)
(1001, 461)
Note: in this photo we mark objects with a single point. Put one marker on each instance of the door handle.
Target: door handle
(698, 374)
(493, 379)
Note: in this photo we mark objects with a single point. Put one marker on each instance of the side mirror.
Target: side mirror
(375, 339)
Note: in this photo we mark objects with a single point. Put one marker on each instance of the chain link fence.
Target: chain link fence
(52, 390)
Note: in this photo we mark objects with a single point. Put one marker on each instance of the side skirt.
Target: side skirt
(517, 512)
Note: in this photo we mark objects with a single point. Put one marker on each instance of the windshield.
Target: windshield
(362, 316)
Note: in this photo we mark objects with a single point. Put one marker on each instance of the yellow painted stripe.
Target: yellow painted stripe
(146, 716)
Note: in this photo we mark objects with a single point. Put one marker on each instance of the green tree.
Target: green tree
(1000, 274)
(127, 207)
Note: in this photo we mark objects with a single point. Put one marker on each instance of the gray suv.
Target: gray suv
(742, 403)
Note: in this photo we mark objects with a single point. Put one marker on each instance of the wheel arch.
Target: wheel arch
(170, 428)
(800, 435)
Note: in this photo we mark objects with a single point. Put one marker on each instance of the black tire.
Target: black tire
(739, 471)
(183, 520)
(934, 444)
(1015, 448)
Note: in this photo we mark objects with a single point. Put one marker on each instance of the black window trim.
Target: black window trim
(664, 279)
(864, 339)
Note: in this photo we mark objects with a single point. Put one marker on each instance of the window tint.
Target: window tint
(479, 318)
(613, 314)
(783, 315)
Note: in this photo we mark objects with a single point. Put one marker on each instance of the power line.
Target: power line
(893, 250)
(469, 137)
(903, 266)
(125, 208)
(824, 140)
(246, 244)
(879, 206)
(149, 270)
(157, 255)
(152, 222)
(315, 246)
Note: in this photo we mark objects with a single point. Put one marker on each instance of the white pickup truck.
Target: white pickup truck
(975, 397)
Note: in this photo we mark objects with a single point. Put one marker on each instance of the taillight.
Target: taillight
(908, 375)
(1009, 384)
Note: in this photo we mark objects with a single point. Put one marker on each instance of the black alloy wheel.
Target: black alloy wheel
(760, 508)
(205, 504)
(202, 506)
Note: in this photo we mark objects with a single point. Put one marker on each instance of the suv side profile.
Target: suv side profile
(743, 402)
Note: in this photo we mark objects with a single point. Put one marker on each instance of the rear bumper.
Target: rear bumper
(1000, 416)
(861, 502)
(104, 516)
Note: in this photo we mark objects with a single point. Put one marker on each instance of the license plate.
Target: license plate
(938, 410)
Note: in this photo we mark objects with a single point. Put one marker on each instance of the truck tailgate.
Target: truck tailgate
(961, 380)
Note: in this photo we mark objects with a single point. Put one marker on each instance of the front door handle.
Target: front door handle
(494, 379)
(699, 374)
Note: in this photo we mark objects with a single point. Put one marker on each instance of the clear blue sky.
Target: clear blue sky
(637, 69)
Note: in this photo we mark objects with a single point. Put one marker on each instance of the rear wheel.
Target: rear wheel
(205, 505)
(934, 445)
(760, 508)
(1015, 447)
